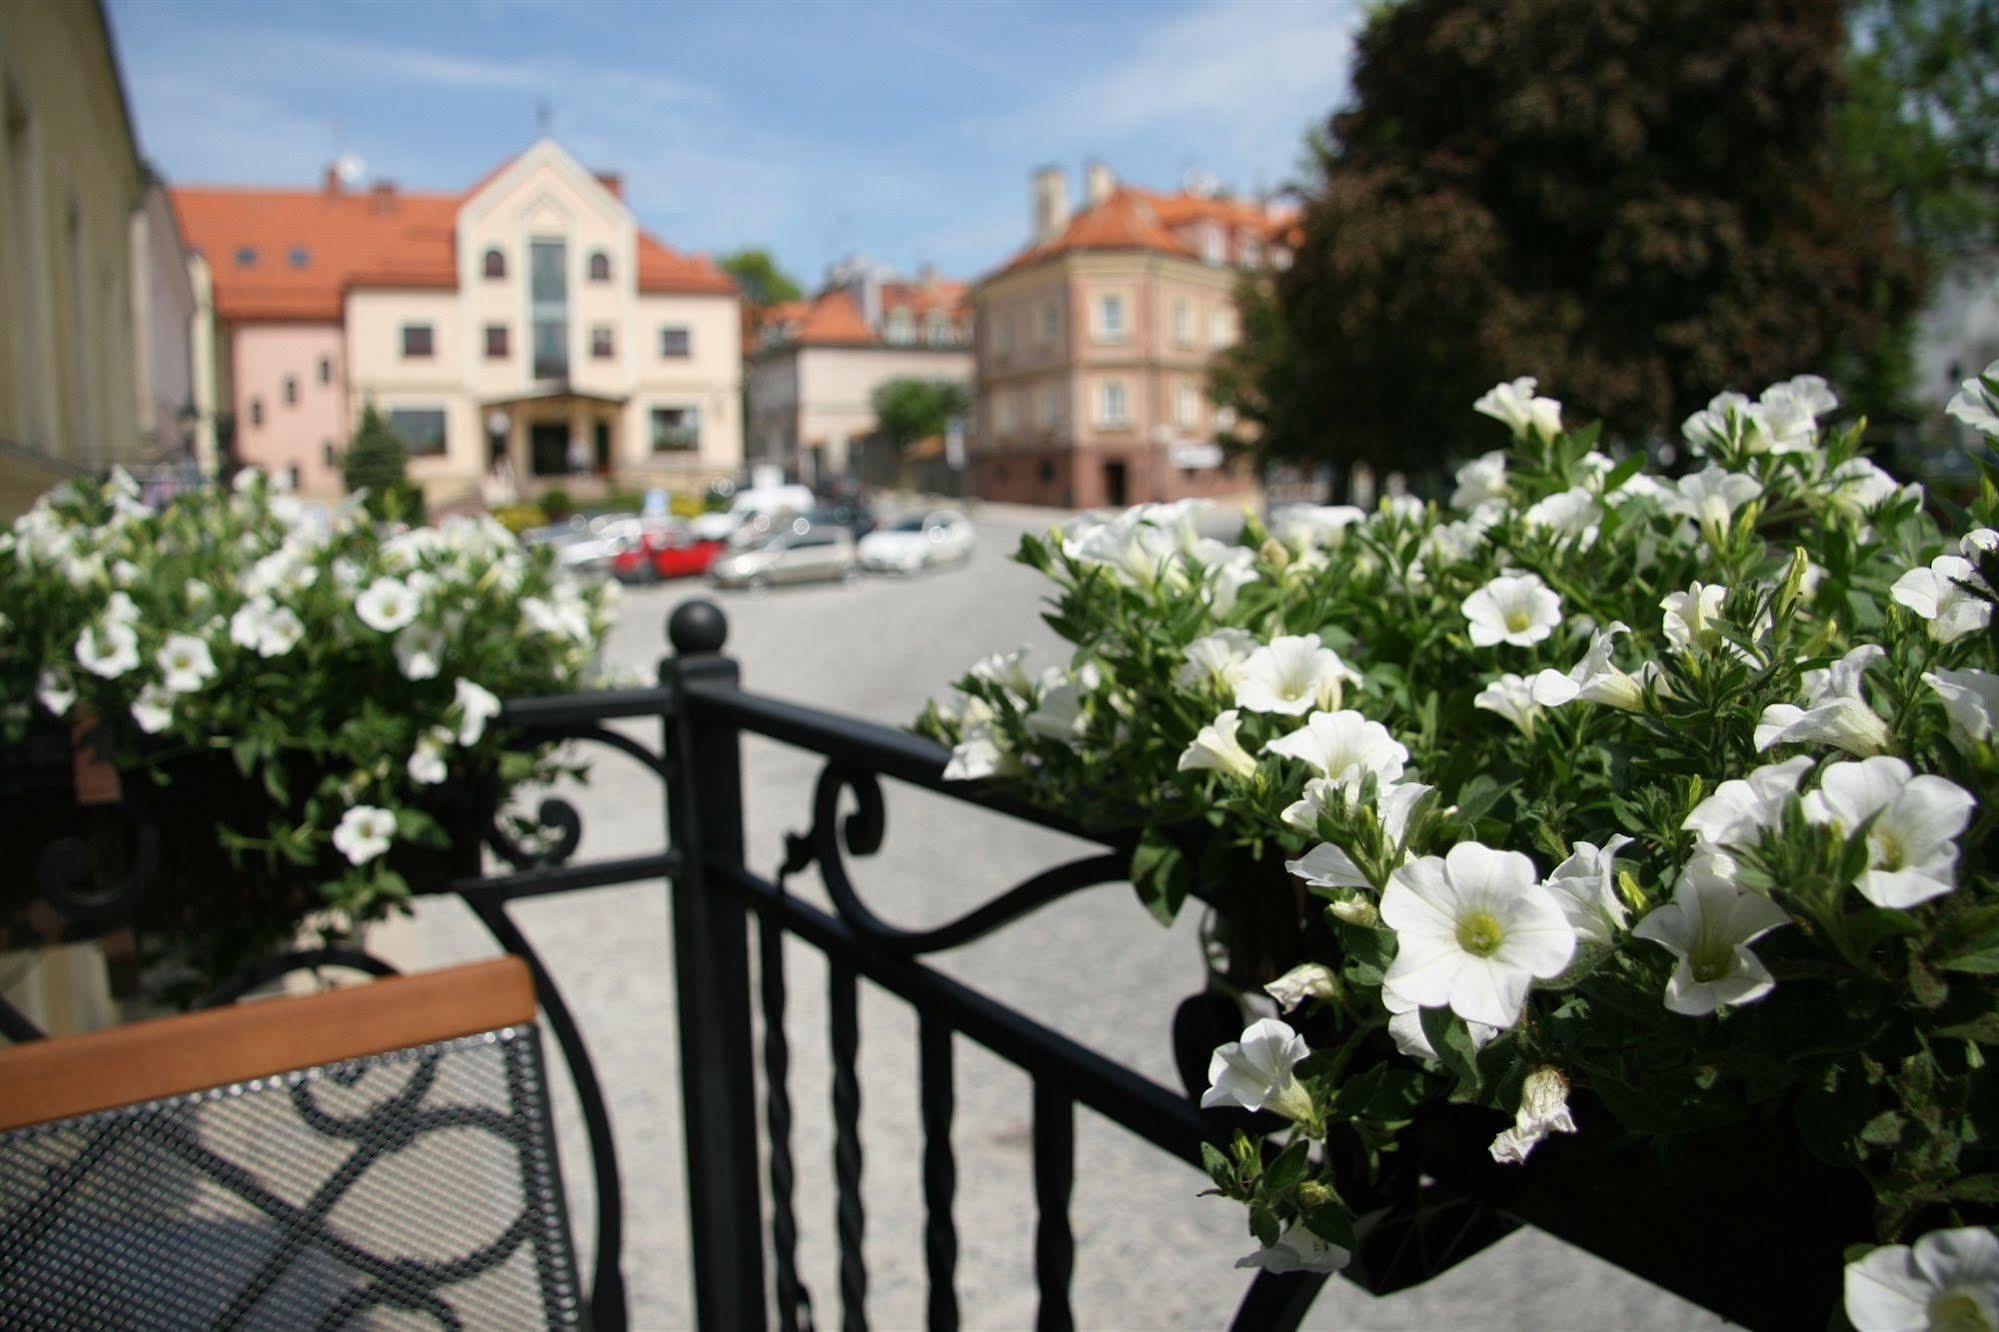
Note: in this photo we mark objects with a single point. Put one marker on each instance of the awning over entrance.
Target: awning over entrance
(553, 397)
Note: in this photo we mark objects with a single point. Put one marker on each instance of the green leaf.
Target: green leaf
(1478, 795)
(1290, 1167)
(1159, 873)
(1984, 1029)
(1264, 1225)
(1976, 1188)
(1218, 1167)
(1333, 1223)
(1451, 1039)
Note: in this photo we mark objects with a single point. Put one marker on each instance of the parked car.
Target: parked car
(665, 550)
(754, 512)
(850, 514)
(801, 553)
(587, 543)
(919, 540)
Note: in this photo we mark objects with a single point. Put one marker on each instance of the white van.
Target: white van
(752, 512)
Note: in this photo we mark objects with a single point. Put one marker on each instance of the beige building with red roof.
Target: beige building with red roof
(1093, 344)
(813, 365)
(524, 329)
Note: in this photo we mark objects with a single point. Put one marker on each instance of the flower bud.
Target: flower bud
(1314, 1194)
(1355, 910)
(1275, 554)
(1294, 987)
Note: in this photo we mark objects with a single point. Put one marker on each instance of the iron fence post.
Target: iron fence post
(712, 981)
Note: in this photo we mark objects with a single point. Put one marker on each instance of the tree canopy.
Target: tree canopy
(907, 410)
(1640, 201)
(762, 281)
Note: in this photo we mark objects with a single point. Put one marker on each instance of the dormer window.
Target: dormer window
(246, 256)
(496, 263)
(600, 266)
(299, 257)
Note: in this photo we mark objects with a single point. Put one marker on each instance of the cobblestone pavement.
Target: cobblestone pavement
(1149, 1252)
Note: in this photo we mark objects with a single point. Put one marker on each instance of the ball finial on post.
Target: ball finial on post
(697, 627)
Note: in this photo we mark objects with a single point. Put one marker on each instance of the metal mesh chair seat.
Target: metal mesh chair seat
(412, 1186)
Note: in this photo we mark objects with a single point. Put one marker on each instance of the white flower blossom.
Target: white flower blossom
(1215, 748)
(1297, 1250)
(108, 650)
(388, 605)
(1596, 678)
(1585, 888)
(364, 832)
(1544, 1109)
(1976, 402)
(1309, 980)
(1911, 846)
(1224, 578)
(1344, 746)
(56, 691)
(1474, 929)
(1970, 700)
(1215, 662)
(1008, 670)
(476, 705)
(1405, 1026)
(1835, 710)
(153, 710)
(1709, 926)
(1330, 866)
(1948, 1281)
(1944, 595)
(427, 765)
(1569, 513)
(1307, 526)
(1058, 708)
(1859, 486)
(185, 663)
(1481, 481)
(1512, 697)
(1255, 1072)
(1711, 497)
(1718, 425)
(1293, 675)
(1454, 543)
(1690, 616)
(1742, 808)
(1515, 405)
(1513, 608)
(975, 756)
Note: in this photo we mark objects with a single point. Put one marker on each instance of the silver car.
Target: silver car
(800, 553)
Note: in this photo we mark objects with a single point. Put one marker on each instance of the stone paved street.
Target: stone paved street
(1150, 1253)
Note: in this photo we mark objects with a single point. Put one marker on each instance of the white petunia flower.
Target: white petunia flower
(1943, 594)
(1711, 497)
(1481, 481)
(1297, 1250)
(1309, 526)
(185, 664)
(1255, 1072)
(1310, 980)
(1709, 926)
(1344, 746)
(1596, 678)
(1570, 513)
(420, 651)
(1948, 1281)
(365, 832)
(282, 632)
(108, 650)
(1512, 697)
(1718, 425)
(476, 705)
(1293, 675)
(1405, 1025)
(1741, 808)
(1976, 402)
(56, 691)
(153, 710)
(1515, 405)
(1859, 486)
(978, 755)
(1008, 670)
(427, 765)
(1058, 708)
(120, 609)
(1974, 545)
(1329, 866)
(1224, 577)
(1454, 543)
(1513, 608)
(1835, 710)
(1585, 888)
(1474, 929)
(1690, 616)
(1215, 662)
(1544, 1109)
(1970, 700)
(1215, 748)
(387, 605)
(1912, 852)
(1141, 554)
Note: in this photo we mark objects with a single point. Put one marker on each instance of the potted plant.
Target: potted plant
(1636, 834)
(257, 712)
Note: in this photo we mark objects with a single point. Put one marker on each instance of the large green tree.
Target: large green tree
(1640, 201)
(762, 281)
(907, 410)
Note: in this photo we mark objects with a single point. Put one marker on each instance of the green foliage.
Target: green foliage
(518, 518)
(555, 502)
(376, 462)
(908, 410)
(757, 273)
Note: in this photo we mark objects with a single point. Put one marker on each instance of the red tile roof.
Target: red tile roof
(922, 297)
(1137, 219)
(380, 237)
(830, 318)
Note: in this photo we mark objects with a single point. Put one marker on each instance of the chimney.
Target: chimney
(614, 181)
(331, 183)
(1051, 203)
(1099, 182)
(382, 196)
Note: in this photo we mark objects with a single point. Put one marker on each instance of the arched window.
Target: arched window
(600, 266)
(496, 263)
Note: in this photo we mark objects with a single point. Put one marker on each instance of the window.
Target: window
(419, 341)
(1003, 412)
(1049, 406)
(289, 388)
(496, 342)
(1214, 245)
(421, 429)
(495, 263)
(1186, 405)
(299, 256)
(1110, 317)
(1111, 409)
(246, 256)
(1050, 322)
(326, 369)
(1183, 322)
(936, 328)
(674, 342)
(256, 411)
(1221, 327)
(602, 348)
(326, 452)
(292, 475)
(1003, 334)
(1046, 471)
(548, 292)
(600, 266)
(676, 429)
(901, 328)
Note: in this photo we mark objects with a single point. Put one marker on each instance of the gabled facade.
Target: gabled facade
(526, 329)
(1093, 345)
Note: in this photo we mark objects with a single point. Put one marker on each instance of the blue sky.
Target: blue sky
(903, 131)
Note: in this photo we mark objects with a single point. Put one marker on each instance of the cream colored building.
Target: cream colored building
(93, 289)
(526, 329)
(1094, 341)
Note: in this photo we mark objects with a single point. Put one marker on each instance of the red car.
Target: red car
(665, 552)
